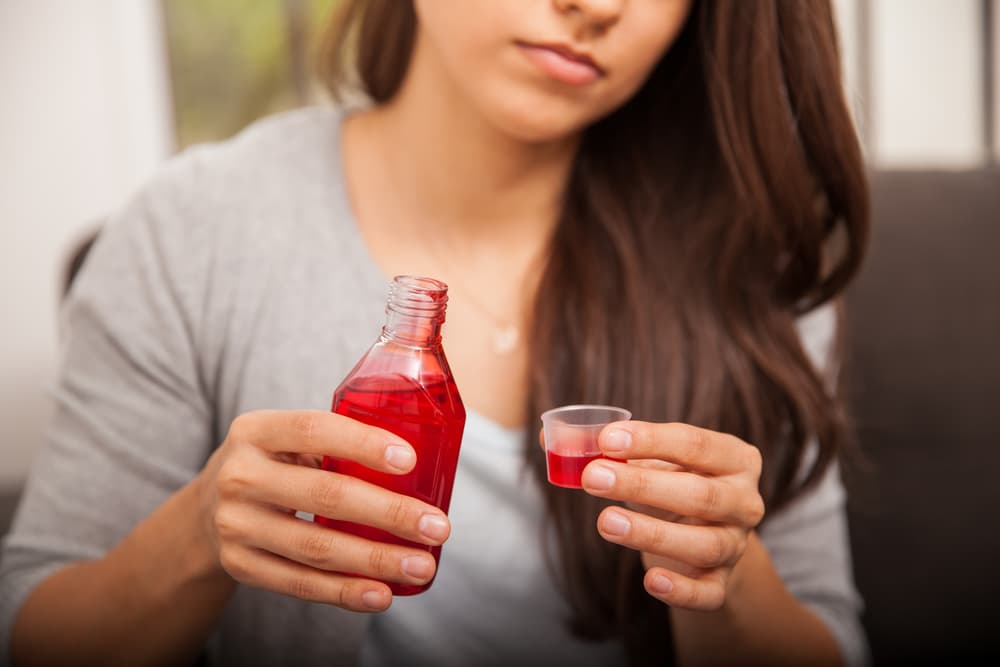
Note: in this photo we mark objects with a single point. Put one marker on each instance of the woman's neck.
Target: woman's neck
(453, 171)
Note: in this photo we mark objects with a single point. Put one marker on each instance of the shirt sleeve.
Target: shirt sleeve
(131, 424)
(808, 539)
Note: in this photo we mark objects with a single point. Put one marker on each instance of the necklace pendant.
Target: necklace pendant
(505, 340)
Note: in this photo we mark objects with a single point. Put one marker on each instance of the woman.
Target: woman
(634, 203)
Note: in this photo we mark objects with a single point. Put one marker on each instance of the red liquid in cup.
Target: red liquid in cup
(431, 418)
(567, 471)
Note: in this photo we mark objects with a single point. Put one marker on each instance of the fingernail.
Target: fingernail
(374, 599)
(617, 441)
(661, 584)
(418, 567)
(598, 477)
(434, 527)
(616, 523)
(400, 457)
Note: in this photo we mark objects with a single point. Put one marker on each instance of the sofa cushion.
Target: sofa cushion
(923, 379)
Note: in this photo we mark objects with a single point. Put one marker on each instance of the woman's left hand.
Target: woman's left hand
(691, 503)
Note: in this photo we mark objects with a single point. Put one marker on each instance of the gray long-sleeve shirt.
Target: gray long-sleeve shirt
(236, 281)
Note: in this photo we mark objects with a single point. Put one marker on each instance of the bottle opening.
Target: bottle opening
(415, 310)
(417, 296)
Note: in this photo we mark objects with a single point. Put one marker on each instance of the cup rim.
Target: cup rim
(627, 414)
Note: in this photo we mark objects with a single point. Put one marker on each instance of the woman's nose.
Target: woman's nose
(600, 13)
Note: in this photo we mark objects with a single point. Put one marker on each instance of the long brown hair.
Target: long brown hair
(726, 199)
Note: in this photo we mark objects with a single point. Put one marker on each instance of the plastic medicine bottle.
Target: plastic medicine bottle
(403, 385)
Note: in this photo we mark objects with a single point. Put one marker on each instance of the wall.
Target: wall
(996, 80)
(916, 72)
(84, 119)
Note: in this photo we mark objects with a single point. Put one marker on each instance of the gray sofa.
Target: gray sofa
(924, 383)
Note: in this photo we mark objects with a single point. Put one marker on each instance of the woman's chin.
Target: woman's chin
(539, 123)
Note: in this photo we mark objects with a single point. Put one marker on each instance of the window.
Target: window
(233, 61)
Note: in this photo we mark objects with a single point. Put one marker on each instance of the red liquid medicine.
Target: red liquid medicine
(403, 385)
(567, 471)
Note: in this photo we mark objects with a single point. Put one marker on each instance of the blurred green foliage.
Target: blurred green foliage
(233, 61)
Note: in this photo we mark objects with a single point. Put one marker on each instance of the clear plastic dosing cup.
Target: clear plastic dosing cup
(570, 434)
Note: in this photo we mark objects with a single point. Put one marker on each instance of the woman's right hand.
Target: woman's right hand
(268, 467)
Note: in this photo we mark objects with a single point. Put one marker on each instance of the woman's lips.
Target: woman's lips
(562, 63)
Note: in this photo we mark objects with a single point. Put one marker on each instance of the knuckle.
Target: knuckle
(756, 512)
(245, 427)
(643, 434)
(691, 597)
(658, 536)
(226, 523)
(640, 482)
(694, 440)
(304, 427)
(715, 598)
(398, 514)
(239, 427)
(755, 461)
(348, 594)
(317, 546)
(327, 494)
(372, 444)
(343, 596)
(751, 510)
(233, 479)
(741, 546)
(378, 558)
(234, 566)
(714, 550)
(303, 587)
(371, 439)
(710, 497)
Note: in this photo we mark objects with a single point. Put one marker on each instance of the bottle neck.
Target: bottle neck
(415, 310)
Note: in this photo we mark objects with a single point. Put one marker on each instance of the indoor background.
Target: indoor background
(97, 93)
